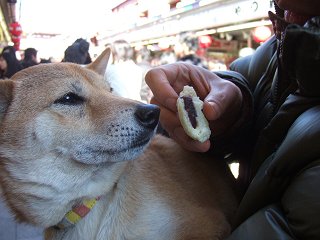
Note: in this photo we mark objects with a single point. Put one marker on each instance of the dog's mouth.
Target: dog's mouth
(137, 144)
(116, 153)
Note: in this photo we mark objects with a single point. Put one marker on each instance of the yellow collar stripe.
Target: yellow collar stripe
(77, 213)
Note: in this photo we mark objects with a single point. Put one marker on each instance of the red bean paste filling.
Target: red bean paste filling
(191, 110)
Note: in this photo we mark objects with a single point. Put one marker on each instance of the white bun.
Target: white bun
(196, 126)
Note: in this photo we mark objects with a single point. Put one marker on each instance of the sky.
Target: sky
(65, 16)
(70, 19)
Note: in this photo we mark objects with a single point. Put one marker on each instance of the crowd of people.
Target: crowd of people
(130, 83)
(10, 64)
(77, 52)
(125, 75)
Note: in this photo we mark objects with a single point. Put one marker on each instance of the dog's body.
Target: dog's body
(65, 138)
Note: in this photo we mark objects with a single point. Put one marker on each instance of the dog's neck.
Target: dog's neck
(49, 202)
(98, 211)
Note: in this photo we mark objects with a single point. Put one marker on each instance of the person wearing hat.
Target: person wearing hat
(78, 52)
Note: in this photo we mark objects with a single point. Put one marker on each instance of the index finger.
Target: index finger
(161, 80)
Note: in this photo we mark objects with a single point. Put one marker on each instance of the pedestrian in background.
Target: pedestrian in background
(186, 50)
(9, 63)
(30, 58)
(78, 52)
(123, 74)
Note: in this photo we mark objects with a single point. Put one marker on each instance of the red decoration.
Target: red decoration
(204, 41)
(15, 32)
(15, 39)
(261, 34)
(16, 42)
(15, 29)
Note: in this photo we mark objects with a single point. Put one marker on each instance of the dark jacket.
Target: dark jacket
(277, 137)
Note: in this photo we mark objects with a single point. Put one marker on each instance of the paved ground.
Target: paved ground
(10, 230)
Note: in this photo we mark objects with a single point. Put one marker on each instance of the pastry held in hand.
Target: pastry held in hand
(191, 116)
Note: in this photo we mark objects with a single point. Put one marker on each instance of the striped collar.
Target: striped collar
(77, 213)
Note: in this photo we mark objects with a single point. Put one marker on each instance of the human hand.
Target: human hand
(222, 100)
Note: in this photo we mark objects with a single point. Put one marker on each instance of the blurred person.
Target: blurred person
(186, 50)
(30, 58)
(10, 49)
(168, 56)
(78, 52)
(123, 74)
(9, 64)
(143, 60)
(143, 57)
(44, 60)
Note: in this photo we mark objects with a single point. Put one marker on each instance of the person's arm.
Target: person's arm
(246, 73)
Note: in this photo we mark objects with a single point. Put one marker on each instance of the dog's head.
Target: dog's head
(69, 109)
(61, 120)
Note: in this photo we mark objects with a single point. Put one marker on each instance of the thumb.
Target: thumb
(223, 100)
(211, 110)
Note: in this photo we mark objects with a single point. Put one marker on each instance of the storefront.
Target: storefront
(5, 37)
(230, 24)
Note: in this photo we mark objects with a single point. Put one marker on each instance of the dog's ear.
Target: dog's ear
(100, 64)
(6, 88)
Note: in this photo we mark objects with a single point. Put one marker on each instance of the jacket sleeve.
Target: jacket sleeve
(254, 66)
(283, 200)
(267, 223)
(244, 72)
(296, 216)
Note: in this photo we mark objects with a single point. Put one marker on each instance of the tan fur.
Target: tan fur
(53, 155)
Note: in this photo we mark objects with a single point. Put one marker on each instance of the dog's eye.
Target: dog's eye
(70, 99)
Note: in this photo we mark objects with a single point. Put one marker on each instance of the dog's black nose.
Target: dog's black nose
(148, 115)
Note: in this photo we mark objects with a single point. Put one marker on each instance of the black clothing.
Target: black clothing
(78, 52)
(279, 137)
(30, 56)
(26, 64)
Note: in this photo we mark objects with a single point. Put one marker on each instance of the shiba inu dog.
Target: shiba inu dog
(86, 164)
